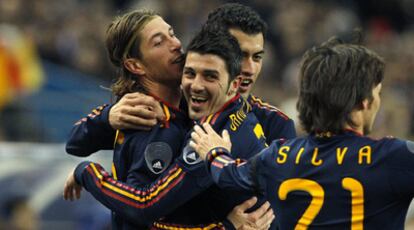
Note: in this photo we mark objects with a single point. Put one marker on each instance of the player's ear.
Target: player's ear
(236, 82)
(234, 85)
(365, 104)
(134, 66)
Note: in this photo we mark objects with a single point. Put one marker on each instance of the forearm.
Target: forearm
(91, 133)
(229, 173)
(143, 205)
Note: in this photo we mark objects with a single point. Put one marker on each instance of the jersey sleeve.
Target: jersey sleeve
(400, 164)
(238, 174)
(143, 205)
(91, 133)
(229, 173)
(222, 225)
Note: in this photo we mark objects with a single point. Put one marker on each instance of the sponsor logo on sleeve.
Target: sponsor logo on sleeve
(158, 156)
(190, 156)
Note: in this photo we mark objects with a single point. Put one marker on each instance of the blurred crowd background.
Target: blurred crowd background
(54, 70)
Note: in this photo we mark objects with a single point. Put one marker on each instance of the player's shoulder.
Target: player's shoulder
(138, 137)
(392, 144)
(399, 144)
(260, 105)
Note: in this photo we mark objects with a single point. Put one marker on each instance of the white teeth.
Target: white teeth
(198, 99)
(246, 82)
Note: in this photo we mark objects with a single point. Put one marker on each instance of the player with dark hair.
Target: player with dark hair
(336, 177)
(210, 87)
(148, 58)
(249, 29)
(246, 25)
(88, 136)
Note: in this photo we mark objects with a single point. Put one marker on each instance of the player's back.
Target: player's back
(339, 181)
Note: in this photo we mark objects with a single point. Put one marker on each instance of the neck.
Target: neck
(358, 129)
(168, 93)
(245, 95)
(358, 120)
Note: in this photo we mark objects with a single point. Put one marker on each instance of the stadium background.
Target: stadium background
(54, 70)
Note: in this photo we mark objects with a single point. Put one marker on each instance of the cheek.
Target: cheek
(185, 82)
(258, 68)
(157, 56)
(185, 86)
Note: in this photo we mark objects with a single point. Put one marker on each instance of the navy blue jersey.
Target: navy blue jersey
(141, 156)
(328, 181)
(94, 133)
(246, 133)
(137, 207)
(174, 186)
(91, 133)
(275, 123)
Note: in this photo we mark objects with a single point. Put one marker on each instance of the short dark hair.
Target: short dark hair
(220, 43)
(334, 79)
(235, 15)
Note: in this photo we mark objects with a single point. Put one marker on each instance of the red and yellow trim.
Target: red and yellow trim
(93, 114)
(264, 105)
(167, 115)
(131, 196)
(212, 118)
(169, 226)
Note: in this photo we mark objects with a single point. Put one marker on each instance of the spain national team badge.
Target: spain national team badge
(190, 156)
(158, 156)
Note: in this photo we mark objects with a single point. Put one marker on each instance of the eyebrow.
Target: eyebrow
(205, 72)
(260, 52)
(209, 71)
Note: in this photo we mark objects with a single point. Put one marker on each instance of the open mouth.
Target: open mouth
(246, 82)
(198, 100)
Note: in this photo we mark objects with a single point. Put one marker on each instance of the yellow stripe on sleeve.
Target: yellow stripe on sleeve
(175, 227)
(114, 171)
(131, 195)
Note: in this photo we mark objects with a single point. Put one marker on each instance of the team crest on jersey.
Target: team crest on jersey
(410, 146)
(190, 156)
(158, 156)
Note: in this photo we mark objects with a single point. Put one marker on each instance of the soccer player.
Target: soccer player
(210, 87)
(98, 131)
(336, 177)
(249, 29)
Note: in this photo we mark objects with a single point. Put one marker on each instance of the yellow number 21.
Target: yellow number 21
(318, 196)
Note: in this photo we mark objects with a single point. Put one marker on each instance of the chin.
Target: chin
(194, 115)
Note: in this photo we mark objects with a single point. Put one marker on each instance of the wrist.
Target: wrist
(106, 116)
(79, 171)
(215, 152)
(229, 225)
